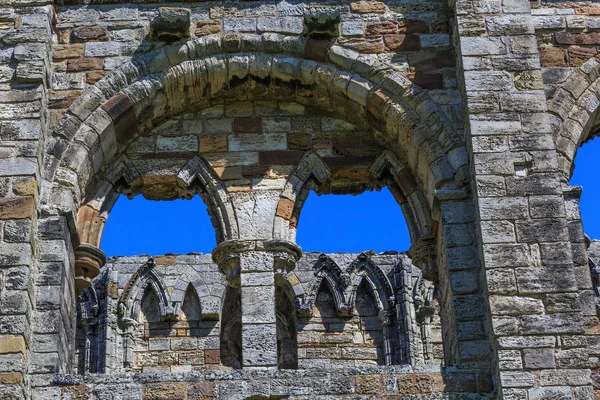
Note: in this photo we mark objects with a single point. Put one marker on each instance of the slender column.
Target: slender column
(253, 267)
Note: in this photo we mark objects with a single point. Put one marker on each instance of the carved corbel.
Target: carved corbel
(88, 261)
(423, 255)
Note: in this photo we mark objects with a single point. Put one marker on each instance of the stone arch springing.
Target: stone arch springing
(310, 171)
(92, 216)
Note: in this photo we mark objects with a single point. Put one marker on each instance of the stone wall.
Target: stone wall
(471, 112)
(178, 326)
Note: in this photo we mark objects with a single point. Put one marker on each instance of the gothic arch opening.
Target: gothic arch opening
(371, 220)
(287, 341)
(190, 317)
(231, 329)
(140, 226)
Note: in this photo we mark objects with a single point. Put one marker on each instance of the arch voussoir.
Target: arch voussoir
(575, 106)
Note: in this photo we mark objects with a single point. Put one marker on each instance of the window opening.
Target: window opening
(141, 226)
(352, 223)
(585, 175)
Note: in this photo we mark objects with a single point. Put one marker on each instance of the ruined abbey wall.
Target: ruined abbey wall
(470, 112)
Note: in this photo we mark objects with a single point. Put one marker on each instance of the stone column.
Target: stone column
(523, 232)
(253, 267)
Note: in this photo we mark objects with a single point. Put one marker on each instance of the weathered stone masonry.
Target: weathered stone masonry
(471, 112)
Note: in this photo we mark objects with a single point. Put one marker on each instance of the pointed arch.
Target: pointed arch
(196, 176)
(416, 210)
(363, 269)
(145, 279)
(328, 273)
(311, 168)
(190, 306)
(210, 301)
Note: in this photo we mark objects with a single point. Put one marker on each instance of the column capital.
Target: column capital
(227, 255)
(88, 261)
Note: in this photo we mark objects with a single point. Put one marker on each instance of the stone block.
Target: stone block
(165, 391)
(85, 34)
(212, 356)
(292, 25)
(13, 344)
(571, 323)
(17, 208)
(102, 49)
(515, 305)
(538, 358)
(258, 303)
(516, 379)
(259, 345)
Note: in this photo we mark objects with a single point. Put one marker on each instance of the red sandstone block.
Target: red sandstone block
(93, 77)
(402, 42)
(381, 28)
(212, 356)
(16, 207)
(592, 38)
(85, 64)
(588, 11)
(578, 55)
(553, 57)
(120, 109)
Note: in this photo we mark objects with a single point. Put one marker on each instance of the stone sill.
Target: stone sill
(252, 373)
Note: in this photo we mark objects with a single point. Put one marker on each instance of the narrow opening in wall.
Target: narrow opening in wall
(154, 227)
(352, 223)
(585, 175)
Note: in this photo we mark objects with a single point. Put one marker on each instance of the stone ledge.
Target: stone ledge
(426, 382)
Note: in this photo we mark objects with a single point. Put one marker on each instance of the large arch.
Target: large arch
(151, 88)
(90, 140)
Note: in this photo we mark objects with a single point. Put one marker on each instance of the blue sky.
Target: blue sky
(329, 223)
